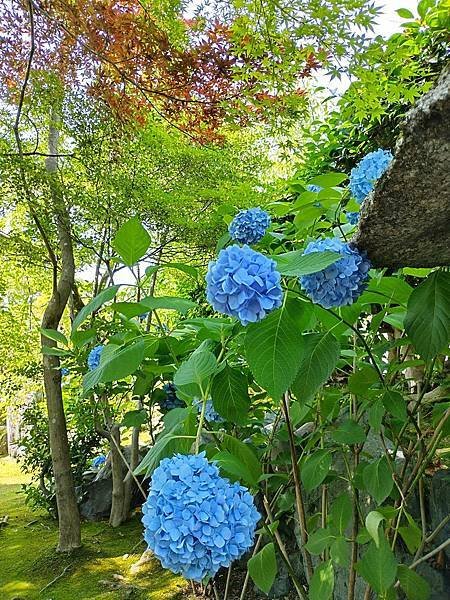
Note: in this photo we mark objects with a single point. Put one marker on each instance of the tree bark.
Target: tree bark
(134, 460)
(68, 515)
(118, 508)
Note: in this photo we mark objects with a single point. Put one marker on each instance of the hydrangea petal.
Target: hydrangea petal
(243, 283)
(222, 523)
(249, 225)
(93, 360)
(341, 283)
(364, 176)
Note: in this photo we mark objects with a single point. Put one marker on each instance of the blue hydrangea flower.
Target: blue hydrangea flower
(98, 461)
(352, 217)
(94, 357)
(367, 171)
(314, 188)
(171, 400)
(340, 283)
(243, 283)
(249, 226)
(195, 520)
(64, 371)
(210, 413)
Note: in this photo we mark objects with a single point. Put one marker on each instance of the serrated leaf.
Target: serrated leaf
(274, 348)
(315, 469)
(395, 404)
(319, 540)
(263, 568)
(378, 566)
(328, 179)
(340, 513)
(414, 586)
(349, 432)
(53, 351)
(376, 414)
(387, 290)
(245, 456)
(320, 356)
(234, 468)
(378, 480)
(53, 334)
(296, 263)
(322, 582)
(116, 363)
(360, 381)
(340, 551)
(427, 320)
(131, 241)
(83, 337)
(134, 418)
(192, 375)
(129, 309)
(94, 304)
(229, 394)
(411, 535)
(188, 269)
(373, 520)
(178, 436)
(182, 305)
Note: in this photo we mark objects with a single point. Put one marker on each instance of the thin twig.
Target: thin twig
(227, 584)
(56, 578)
(430, 554)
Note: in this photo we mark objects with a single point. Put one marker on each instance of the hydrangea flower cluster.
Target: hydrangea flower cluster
(195, 520)
(314, 188)
(211, 415)
(98, 461)
(171, 400)
(340, 283)
(94, 357)
(367, 171)
(352, 217)
(64, 371)
(249, 226)
(243, 283)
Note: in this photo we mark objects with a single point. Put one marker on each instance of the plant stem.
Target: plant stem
(355, 527)
(300, 505)
(430, 554)
(298, 587)
(227, 584)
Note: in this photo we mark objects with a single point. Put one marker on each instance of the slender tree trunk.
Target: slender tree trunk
(68, 515)
(118, 507)
(134, 460)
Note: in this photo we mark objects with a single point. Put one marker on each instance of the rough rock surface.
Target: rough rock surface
(405, 222)
(95, 495)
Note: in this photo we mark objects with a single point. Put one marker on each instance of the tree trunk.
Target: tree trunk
(134, 460)
(68, 515)
(118, 507)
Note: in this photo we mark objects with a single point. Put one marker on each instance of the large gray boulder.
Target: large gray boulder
(405, 221)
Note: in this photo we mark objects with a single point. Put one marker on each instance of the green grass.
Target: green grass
(28, 561)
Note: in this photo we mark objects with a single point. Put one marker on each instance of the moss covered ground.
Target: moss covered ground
(100, 569)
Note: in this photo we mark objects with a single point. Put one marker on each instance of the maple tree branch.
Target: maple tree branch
(113, 64)
(144, 91)
(35, 153)
(21, 154)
